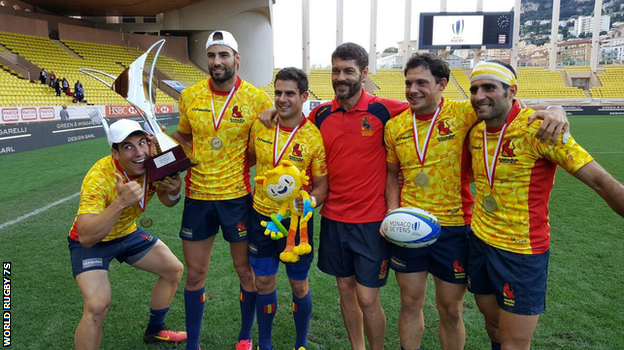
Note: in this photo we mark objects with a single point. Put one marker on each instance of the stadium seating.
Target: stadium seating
(269, 88)
(111, 59)
(391, 84)
(320, 84)
(611, 81)
(462, 79)
(539, 83)
(576, 69)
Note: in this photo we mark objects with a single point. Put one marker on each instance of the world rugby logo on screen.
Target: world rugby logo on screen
(458, 29)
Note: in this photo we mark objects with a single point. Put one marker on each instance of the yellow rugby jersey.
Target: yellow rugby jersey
(447, 161)
(306, 151)
(222, 172)
(524, 176)
(99, 189)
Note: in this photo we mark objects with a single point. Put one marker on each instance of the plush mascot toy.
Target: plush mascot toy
(284, 184)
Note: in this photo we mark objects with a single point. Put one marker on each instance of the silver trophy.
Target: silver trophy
(139, 90)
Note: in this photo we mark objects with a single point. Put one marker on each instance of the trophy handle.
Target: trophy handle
(90, 72)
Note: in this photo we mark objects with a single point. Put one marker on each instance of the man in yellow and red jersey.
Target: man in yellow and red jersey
(427, 143)
(296, 139)
(514, 174)
(114, 194)
(215, 118)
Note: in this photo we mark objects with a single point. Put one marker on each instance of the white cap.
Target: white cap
(122, 129)
(228, 40)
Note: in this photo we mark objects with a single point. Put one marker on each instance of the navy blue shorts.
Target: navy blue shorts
(269, 266)
(517, 280)
(354, 249)
(128, 249)
(201, 219)
(445, 259)
(261, 246)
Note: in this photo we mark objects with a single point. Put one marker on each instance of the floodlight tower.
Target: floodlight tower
(595, 43)
(372, 50)
(305, 12)
(554, 35)
(516, 35)
(407, 29)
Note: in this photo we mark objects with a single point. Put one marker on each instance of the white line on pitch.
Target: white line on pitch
(40, 210)
(76, 129)
(14, 137)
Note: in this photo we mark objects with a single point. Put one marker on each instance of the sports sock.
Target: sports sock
(248, 312)
(302, 311)
(194, 308)
(266, 305)
(496, 346)
(156, 321)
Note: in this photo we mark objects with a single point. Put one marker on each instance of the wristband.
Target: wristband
(174, 198)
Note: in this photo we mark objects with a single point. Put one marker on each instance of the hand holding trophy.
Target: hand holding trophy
(133, 85)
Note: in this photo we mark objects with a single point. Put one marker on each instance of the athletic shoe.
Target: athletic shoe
(301, 348)
(164, 335)
(245, 344)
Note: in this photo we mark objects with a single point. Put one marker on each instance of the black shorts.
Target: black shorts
(347, 249)
(129, 249)
(261, 246)
(445, 259)
(517, 280)
(201, 219)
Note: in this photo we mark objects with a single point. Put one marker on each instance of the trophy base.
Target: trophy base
(167, 163)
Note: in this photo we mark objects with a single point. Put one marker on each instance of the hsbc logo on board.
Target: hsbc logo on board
(163, 109)
(121, 111)
(129, 111)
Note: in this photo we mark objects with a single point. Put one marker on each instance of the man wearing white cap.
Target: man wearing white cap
(113, 196)
(215, 118)
(514, 174)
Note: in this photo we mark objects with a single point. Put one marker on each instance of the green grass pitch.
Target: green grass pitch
(585, 287)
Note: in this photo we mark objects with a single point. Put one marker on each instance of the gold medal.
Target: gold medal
(146, 222)
(489, 203)
(421, 179)
(216, 143)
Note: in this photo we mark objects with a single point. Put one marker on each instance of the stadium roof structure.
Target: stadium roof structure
(109, 7)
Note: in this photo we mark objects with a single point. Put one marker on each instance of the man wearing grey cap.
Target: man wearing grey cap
(113, 196)
(215, 118)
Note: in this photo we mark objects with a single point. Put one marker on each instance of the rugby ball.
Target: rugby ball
(411, 227)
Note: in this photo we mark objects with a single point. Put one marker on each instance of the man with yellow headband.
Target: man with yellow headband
(427, 144)
(514, 174)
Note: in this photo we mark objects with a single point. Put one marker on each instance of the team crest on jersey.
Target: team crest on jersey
(297, 153)
(237, 115)
(508, 295)
(367, 127)
(383, 271)
(507, 153)
(147, 237)
(242, 230)
(444, 131)
(458, 269)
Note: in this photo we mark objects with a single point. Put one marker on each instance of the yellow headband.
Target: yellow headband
(494, 71)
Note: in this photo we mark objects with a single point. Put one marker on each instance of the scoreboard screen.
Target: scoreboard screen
(466, 30)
